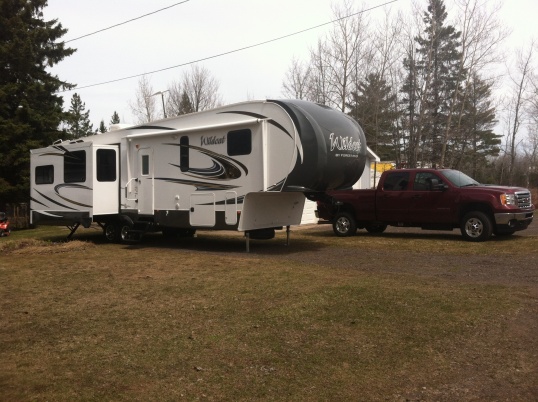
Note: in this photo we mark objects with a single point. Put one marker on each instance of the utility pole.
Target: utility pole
(162, 98)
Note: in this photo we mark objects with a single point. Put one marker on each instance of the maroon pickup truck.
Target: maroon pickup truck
(437, 199)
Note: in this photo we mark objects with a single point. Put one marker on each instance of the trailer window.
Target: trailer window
(145, 165)
(75, 167)
(44, 174)
(239, 142)
(106, 164)
(184, 153)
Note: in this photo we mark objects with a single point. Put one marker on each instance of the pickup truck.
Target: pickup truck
(436, 199)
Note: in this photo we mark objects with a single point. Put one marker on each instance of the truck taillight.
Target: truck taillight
(508, 199)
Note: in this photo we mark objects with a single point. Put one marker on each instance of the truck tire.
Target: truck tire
(476, 226)
(375, 227)
(344, 224)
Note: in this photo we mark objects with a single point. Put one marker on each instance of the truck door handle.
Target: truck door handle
(417, 196)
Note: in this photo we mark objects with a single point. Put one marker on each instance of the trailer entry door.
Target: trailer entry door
(106, 183)
(145, 181)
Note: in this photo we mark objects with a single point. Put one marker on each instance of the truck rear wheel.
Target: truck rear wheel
(344, 224)
(476, 226)
(375, 227)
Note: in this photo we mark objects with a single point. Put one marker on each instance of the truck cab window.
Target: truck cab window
(44, 174)
(423, 181)
(396, 181)
(75, 167)
(239, 142)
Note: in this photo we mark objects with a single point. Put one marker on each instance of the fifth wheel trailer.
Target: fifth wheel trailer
(244, 167)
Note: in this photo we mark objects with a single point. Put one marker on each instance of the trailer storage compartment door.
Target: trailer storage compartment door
(202, 212)
(106, 179)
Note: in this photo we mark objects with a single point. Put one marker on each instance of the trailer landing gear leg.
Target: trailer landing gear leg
(287, 235)
(73, 229)
(247, 235)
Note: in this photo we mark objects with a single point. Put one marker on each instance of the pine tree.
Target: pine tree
(102, 128)
(78, 121)
(185, 106)
(372, 106)
(30, 107)
(438, 65)
(477, 143)
(115, 118)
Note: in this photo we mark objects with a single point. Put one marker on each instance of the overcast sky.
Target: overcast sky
(198, 29)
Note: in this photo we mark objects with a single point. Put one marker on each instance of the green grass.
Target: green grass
(92, 321)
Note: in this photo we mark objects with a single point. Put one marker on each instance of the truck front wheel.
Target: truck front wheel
(344, 224)
(476, 226)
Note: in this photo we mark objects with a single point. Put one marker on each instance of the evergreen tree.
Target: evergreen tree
(477, 143)
(185, 106)
(411, 106)
(102, 128)
(78, 121)
(30, 108)
(115, 118)
(373, 106)
(437, 63)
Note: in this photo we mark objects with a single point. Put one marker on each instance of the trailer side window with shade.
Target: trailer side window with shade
(75, 167)
(239, 142)
(184, 153)
(106, 165)
(44, 174)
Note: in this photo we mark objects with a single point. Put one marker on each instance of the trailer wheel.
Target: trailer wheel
(112, 232)
(124, 232)
(344, 224)
(375, 227)
(476, 226)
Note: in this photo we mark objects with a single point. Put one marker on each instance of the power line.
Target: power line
(231, 51)
(126, 22)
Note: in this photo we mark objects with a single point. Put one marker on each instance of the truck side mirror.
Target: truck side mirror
(436, 186)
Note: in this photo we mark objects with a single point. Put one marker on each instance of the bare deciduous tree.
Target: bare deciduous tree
(517, 103)
(297, 80)
(144, 106)
(199, 87)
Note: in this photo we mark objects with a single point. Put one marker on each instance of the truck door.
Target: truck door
(429, 204)
(392, 202)
(145, 181)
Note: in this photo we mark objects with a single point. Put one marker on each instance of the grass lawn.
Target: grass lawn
(200, 319)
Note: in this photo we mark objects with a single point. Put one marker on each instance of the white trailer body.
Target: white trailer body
(240, 167)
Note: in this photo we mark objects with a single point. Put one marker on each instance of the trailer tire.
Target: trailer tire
(375, 227)
(476, 226)
(124, 232)
(344, 225)
(112, 232)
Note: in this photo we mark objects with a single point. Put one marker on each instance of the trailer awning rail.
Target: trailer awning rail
(195, 129)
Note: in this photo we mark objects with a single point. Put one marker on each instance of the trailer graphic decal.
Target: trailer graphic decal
(200, 185)
(223, 168)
